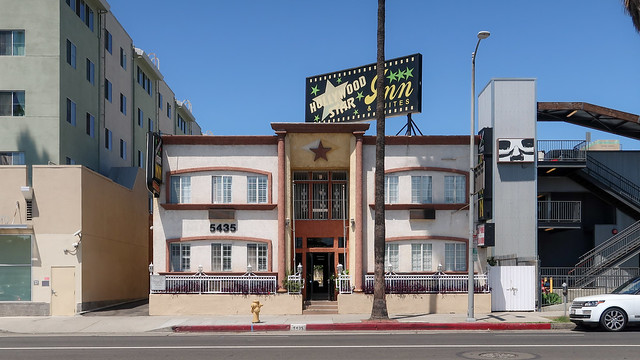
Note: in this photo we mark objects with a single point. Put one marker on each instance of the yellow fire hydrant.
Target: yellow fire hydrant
(255, 310)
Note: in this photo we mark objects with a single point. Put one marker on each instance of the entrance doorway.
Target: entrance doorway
(319, 276)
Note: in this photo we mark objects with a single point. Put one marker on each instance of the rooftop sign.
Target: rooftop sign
(350, 95)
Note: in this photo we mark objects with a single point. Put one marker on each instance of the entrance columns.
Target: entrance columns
(357, 274)
(281, 209)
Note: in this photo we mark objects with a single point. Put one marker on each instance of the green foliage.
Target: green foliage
(551, 298)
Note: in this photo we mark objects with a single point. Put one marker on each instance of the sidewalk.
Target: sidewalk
(106, 324)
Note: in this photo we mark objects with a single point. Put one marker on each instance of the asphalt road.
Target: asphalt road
(559, 344)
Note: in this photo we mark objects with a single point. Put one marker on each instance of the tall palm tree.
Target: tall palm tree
(633, 9)
(379, 309)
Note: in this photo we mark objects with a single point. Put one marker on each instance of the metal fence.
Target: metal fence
(436, 283)
(206, 284)
(560, 211)
(295, 284)
(343, 284)
(562, 150)
(551, 279)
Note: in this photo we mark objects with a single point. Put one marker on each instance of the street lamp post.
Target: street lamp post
(470, 286)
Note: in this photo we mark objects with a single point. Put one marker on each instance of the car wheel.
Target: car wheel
(613, 319)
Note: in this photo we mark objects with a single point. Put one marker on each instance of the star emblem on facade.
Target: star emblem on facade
(321, 152)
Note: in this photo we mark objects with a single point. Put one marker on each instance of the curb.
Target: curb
(365, 326)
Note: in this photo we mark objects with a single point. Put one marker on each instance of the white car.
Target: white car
(612, 311)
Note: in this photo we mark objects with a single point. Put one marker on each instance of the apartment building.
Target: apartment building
(76, 92)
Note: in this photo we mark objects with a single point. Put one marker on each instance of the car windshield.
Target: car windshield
(630, 287)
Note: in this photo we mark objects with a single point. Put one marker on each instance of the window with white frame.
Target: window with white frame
(12, 42)
(421, 257)
(390, 189)
(220, 257)
(421, 192)
(455, 257)
(12, 158)
(180, 257)
(12, 103)
(391, 255)
(257, 256)
(454, 189)
(256, 189)
(180, 189)
(221, 189)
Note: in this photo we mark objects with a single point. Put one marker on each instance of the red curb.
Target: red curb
(367, 326)
(231, 328)
(429, 326)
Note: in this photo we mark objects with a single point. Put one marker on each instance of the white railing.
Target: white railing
(295, 284)
(436, 283)
(560, 211)
(206, 284)
(343, 284)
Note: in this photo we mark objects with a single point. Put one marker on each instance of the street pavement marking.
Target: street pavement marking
(268, 347)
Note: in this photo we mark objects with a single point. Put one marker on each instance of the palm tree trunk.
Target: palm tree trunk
(633, 9)
(379, 309)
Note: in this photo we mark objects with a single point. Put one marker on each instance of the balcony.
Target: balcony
(557, 155)
(559, 214)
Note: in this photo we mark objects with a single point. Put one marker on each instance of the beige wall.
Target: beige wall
(172, 304)
(11, 179)
(115, 239)
(359, 303)
(111, 261)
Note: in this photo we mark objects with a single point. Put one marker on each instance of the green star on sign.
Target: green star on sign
(401, 74)
(339, 80)
(408, 72)
(392, 76)
(314, 90)
(355, 112)
(359, 96)
(316, 118)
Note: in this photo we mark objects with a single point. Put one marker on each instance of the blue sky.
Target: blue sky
(243, 64)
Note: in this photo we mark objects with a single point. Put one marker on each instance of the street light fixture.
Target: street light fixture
(470, 287)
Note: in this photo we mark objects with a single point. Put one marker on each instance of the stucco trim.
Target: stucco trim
(168, 206)
(218, 140)
(412, 206)
(223, 238)
(427, 237)
(435, 169)
(423, 140)
(268, 174)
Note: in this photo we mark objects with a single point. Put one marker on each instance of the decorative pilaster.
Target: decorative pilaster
(358, 269)
(281, 209)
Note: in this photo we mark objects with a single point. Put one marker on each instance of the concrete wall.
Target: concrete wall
(115, 240)
(110, 263)
(509, 106)
(359, 303)
(208, 304)
(38, 74)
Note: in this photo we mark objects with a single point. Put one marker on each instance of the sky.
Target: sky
(242, 64)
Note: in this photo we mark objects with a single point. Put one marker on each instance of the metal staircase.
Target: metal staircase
(613, 252)
(622, 246)
(623, 190)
